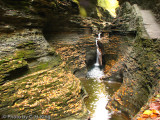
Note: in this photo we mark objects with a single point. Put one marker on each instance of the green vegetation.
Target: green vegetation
(29, 43)
(41, 93)
(26, 50)
(26, 54)
(82, 11)
(76, 1)
(9, 64)
(109, 5)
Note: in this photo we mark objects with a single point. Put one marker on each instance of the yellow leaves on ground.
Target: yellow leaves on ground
(45, 90)
(110, 64)
(74, 54)
(147, 112)
(22, 104)
(119, 100)
(58, 107)
(34, 104)
(74, 107)
(153, 113)
(156, 112)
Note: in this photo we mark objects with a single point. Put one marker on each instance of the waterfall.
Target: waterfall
(96, 71)
(99, 54)
(99, 36)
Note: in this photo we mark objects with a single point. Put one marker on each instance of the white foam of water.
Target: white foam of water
(96, 72)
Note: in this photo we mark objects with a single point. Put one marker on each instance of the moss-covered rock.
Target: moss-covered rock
(48, 92)
(141, 71)
(10, 65)
(26, 54)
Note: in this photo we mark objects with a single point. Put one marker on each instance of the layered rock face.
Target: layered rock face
(22, 25)
(140, 64)
(33, 77)
(44, 44)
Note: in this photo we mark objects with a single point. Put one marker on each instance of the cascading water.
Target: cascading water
(99, 54)
(98, 98)
(99, 91)
(96, 71)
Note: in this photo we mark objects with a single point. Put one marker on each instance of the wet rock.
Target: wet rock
(80, 73)
(10, 66)
(115, 76)
(91, 57)
(139, 80)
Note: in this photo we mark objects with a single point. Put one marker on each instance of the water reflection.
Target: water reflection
(97, 99)
(100, 112)
(99, 93)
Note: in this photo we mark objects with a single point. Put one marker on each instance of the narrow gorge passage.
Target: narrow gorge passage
(73, 48)
(55, 66)
(99, 91)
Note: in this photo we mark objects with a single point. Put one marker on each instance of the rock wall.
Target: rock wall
(154, 5)
(32, 74)
(36, 72)
(140, 64)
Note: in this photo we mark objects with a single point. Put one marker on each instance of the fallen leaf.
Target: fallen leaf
(155, 105)
(141, 118)
(153, 116)
(144, 116)
(147, 112)
(156, 112)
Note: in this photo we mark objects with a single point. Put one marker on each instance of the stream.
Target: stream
(99, 92)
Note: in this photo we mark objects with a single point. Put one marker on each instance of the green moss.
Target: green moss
(29, 43)
(68, 94)
(42, 66)
(99, 14)
(82, 11)
(9, 64)
(48, 85)
(55, 100)
(53, 3)
(76, 1)
(55, 61)
(109, 5)
(26, 54)
(147, 43)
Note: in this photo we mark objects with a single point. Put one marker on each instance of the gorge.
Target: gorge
(49, 65)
